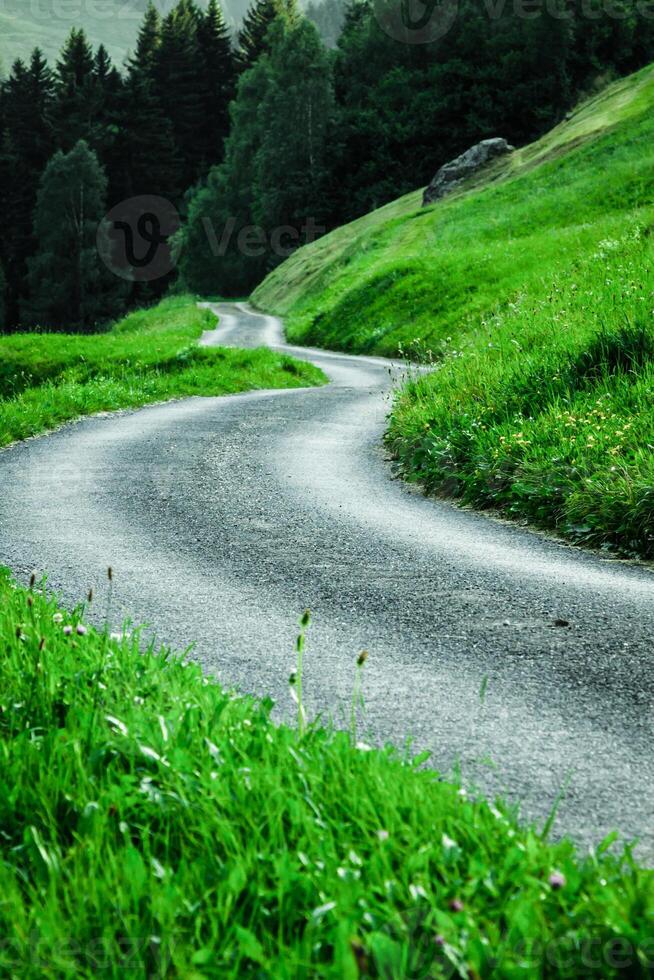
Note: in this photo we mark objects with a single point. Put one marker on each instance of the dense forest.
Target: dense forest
(262, 142)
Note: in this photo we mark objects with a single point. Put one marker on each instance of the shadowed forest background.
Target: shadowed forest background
(265, 126)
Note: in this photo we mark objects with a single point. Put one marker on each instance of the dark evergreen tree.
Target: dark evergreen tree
(147, 140)
(219, 250)
(143, 61)
(26, 143)
(269, 194)
(219, 82)
(109, 122)
(252, 37)
(70, 288)
(78, 94)
(3, 323)
(295, 119)
(181, 85)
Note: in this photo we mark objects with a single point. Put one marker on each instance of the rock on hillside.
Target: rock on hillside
(455, 172)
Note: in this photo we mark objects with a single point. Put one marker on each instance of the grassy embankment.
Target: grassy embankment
(533, 293)
(151, 355)
(152, 824)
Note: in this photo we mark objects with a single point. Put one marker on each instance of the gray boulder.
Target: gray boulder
(456, 171)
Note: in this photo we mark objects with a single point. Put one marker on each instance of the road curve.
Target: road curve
(225, 517)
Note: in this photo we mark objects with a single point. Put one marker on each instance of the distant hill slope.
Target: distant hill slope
(25, 24)
(532, 293)
(405, 271)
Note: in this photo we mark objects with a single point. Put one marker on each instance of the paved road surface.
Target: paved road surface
(225, 517)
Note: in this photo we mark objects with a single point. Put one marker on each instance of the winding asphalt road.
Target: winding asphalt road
(224, 518)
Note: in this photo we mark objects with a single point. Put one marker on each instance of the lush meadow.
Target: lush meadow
(154, 824)
(152, 355)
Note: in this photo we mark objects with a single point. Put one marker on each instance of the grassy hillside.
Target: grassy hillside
(405, 271)
(532, 292)
(156, 825)
(151, 355)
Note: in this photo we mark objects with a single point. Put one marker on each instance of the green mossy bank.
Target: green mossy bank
(152, 355)
(531, 292)
(153, 824)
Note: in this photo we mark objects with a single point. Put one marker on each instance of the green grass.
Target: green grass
(549, 414)
(529, 291)
(153, 824)
(151, 355)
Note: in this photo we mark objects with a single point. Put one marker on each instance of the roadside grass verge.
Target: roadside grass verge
(153, 824)
(547, 412)
(151, 355)
(531, 294)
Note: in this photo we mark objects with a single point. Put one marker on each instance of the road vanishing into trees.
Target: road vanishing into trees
(223, 518)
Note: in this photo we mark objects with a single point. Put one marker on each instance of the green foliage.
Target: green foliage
(150, 356)
(213, 258)
(69, 285)
(179, 74)
(295, 114)
(531, 293)
(78, 94)
(265, 198)
(208, 841)
(156, 129)
(148, 142)
(253, 35)
(405, 109)
(26, 144)
(2, 298)
(219, 82)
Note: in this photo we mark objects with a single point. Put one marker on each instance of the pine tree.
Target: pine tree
(217, 253)
(219, 82)
(26, 143)
(109, 122)
(296, 116)
(69, 286)
(147, 142)
(143, 61)
(252, 38)
(78, 96)
(181, 86)
(269, 193)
